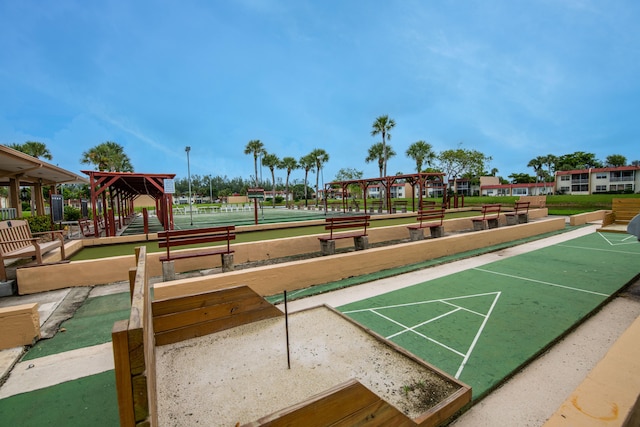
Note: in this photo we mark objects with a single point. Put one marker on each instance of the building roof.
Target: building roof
(592, 170)
(130, 184)
(29, 170)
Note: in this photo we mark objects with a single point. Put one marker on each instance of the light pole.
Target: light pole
(187, 149)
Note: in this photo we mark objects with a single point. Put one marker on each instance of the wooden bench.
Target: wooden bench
(490, 217)
(87, 227)
(17, 241)
(520, 214)
(622, 212)
(358, 226)
(431, 219)
(400, 204)
(174, 238)
(376, 205)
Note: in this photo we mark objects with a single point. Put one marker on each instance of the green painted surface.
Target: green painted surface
(483, 324)
(88, 401)
(90, 325)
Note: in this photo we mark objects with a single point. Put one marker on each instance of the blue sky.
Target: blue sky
(513, 79)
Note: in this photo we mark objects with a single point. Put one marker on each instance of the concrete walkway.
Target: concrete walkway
(527, 399)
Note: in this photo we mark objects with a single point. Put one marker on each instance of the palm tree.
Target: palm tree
(421, 152)
(550, 162)
(289, 164)
(34, 149)
(307, 163)
(377, 153)
(108, 156)
(256, 148)
(320, 157)
(382, 125)
(272, 161)
(536, 164)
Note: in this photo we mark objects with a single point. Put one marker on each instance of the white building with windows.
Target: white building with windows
(599, 180)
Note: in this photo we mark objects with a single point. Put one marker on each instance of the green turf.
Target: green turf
(90, 325)
(538, 296)
(88, 401)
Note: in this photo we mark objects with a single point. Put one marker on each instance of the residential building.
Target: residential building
(599, 180)
(490, 186)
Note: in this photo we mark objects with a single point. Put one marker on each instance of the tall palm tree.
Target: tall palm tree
(550, 162)
(320, 157)
(256, 148)
(380, 153)
(307, 163)
(272, 161)
(536, 164)
(108, 156)
(382, 125)
(289, 164)
(421, 152)
(35, 149)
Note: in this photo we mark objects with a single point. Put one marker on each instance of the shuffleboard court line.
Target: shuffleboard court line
(408, 304)
(571, 288)
(617, 235)
(599, 250)
(477, 337)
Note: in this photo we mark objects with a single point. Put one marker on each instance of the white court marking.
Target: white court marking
(624, 239)
(412, 329)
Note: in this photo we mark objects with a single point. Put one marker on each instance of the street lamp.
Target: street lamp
(187, 149)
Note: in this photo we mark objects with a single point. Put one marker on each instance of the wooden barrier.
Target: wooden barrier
(534, 201)
(622, 211)
(20, 325)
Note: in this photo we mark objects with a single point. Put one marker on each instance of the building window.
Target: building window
(520, 192)
(565, 178)
(580, 188)
(601, 175)
(601, 188)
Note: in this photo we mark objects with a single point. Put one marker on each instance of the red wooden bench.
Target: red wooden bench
(520, 214)
(174, 238)
(428, 218)
(358, 226)
(490, 217)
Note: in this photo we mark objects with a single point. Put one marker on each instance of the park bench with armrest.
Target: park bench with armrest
(519, 215)
(87, 227)
(490, 217)
(17, 241)
(358, 231)
(431, 219)
(175, 238)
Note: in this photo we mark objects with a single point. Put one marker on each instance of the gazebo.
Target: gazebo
(113, 193)
(423, 180)
(18, 170)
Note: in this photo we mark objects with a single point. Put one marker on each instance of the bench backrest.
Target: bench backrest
(14, 234)
(430, 215)
(344, 222)
(170, 238)
(491, 210)
(521, 207)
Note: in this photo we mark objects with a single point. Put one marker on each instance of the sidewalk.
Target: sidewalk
(527, 399)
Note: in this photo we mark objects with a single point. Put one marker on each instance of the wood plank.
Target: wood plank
(204, 314)
(378, 414)
(324, 409)
(190, 302)
(124, 387)
(20, 325)
(220, 324)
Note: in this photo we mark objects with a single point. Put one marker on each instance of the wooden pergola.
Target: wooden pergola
(423, 180)
(18, 169)
(113, 194)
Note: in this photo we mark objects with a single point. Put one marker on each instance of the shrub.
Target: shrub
(38, 224)
(71, 213)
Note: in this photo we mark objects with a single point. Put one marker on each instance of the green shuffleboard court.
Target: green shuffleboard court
(481, 325)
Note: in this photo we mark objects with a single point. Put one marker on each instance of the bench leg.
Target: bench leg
(437, 231)
(361, 243)
(523, 218)
(512, 219)
(416, 234)
(479, 225)
(168, 271)
(227, 262)
(493, 223)
(328, 247)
